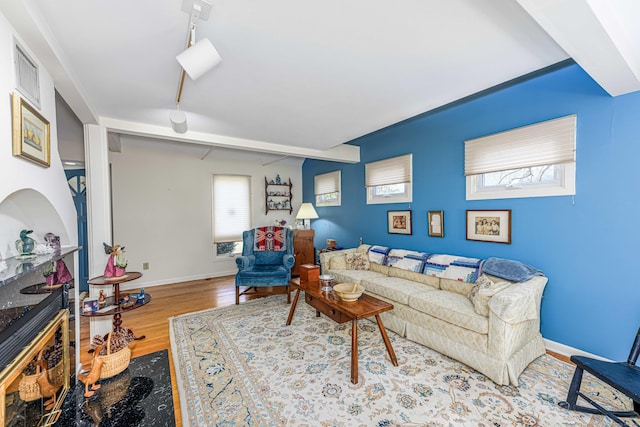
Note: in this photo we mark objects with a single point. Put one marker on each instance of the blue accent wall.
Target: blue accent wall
(590, 249)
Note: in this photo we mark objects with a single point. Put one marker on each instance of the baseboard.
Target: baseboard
(149, 284)
(567, 351)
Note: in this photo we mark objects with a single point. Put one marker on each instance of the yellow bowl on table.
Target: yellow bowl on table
(348, 292)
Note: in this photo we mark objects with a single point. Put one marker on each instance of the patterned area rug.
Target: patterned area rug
(240, 365)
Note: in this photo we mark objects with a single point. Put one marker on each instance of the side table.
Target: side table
(114, 300)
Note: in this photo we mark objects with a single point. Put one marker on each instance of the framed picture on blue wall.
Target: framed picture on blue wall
(489, 226)
(435, 223)
(399, 222)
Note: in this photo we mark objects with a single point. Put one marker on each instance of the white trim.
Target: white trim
(566, 188)
(565, 350)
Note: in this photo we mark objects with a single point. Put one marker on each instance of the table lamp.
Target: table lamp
(306, 214)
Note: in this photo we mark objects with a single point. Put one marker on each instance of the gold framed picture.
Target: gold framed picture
(489, 226)
(435, 220)
(399, 222)
(31, 133)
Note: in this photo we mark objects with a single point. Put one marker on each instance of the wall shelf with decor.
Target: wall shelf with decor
(277, 195)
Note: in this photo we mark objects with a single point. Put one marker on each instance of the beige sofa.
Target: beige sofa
(435, 310)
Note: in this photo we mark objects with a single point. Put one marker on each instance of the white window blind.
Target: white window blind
(545, 143)
(231, 207)
(396, 170)
(327, 183)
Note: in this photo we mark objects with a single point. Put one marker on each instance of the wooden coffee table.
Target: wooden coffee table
(333, 307)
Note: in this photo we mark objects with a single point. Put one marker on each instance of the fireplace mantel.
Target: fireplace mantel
(17, 268)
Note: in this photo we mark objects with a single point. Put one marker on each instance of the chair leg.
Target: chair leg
(572, 399)
(237, 295)
(574, 388)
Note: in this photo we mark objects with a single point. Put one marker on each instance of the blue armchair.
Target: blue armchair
(267, 262)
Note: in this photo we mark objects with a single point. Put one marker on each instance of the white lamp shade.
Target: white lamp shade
(178, 121)
(307, 212)
(199, 58)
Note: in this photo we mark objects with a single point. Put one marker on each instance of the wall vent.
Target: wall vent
(27, 76)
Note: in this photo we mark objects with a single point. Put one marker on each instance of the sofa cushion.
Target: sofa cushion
(450, 307)
(482, 292)
(452, 267)
(379, 268)
(354, 276)
(357, 261)
(406, 260)
(394, 288)
(338, 263)
(378, 254)
(457, 286)
(434, 282)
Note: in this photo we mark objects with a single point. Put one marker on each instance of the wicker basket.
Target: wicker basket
(28, 387)
(114, 363)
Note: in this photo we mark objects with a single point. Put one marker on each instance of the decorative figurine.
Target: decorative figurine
(25, 245)
(140, 296)
(102, 300)
(278, 181)
(57, 273)
(47, 388)
(117, 263)
(91, 378)
(53, 241)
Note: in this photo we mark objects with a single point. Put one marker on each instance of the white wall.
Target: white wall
(19, 176)
(162, 203)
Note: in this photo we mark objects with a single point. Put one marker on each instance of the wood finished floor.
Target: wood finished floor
(174, 300)
(168, 301)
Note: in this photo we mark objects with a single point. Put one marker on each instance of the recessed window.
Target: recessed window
(327, 189)
(531, 161)
(231, 213)
(389, 180)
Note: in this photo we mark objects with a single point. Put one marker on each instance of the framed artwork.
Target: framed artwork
(90, 304)
(435, 223)
(399, 222)
(31, 136)
(489, 226)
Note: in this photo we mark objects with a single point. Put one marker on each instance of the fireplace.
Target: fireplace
(34, 326)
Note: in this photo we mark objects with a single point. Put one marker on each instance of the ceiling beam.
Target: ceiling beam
(600, 35)
(343, 153)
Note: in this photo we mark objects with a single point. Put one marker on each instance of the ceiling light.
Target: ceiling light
(178, 120)
(199, 58)
(195, 60)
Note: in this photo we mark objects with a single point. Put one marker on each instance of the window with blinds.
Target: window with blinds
(327, 189)
(389, 180)
(231, 212)
(531, 161)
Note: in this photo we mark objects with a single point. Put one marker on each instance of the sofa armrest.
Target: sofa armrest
(325, 257)
(288, 260)
(245, 261)
(519, 302)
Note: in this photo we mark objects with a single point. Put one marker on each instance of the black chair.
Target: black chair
(623, 376)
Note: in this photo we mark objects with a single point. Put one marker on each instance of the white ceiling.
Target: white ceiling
(302, 77)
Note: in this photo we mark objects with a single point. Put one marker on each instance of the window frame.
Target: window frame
(399, 171)
(215, 239)
(328, 180)
(552, 142)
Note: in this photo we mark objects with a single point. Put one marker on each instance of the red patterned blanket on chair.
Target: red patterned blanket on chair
(270, 238)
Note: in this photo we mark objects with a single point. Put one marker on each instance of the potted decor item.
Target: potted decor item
(117, 263)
